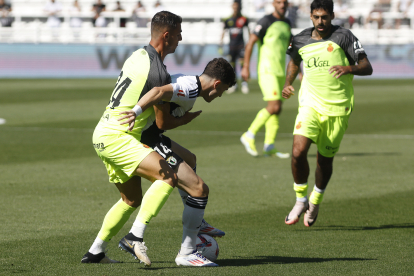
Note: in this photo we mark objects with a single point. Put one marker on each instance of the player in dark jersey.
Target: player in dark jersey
(272, 34)
(235, 25)
(331, 56)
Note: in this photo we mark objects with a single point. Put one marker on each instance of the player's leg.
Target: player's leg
(267, 83)
(274, 107)
(193, 214)
(154, 168)
(332, 132)
(244, 85)
(121, 155)
(190, 159)
(305, 132)
(233, 57)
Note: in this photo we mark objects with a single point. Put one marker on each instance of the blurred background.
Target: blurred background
(92, 38)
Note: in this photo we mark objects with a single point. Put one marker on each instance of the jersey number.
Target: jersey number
(164, 151)
(119, 90)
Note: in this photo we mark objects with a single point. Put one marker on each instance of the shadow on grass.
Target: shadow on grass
(259, 260)
(360, 228)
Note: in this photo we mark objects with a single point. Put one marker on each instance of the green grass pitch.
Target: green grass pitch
(54, 191)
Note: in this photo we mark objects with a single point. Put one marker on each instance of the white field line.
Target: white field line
(203, 132)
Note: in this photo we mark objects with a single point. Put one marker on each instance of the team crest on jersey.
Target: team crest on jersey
(299, 125)
(275, 93)
(330, 48)
(240, 22)
(172, 161)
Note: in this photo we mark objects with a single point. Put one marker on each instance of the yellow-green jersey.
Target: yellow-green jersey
(142, 71)
(274, 37)
(319, 90)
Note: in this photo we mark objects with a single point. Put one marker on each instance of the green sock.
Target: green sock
(260, 120)
(316, 196)
(114, 220)
(301, 190)
(272, 126)
(153, 200)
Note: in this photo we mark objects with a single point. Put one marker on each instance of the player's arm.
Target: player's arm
(166, 121)
(245, 73)
(292, 71)
(362, 68)
(155, 95)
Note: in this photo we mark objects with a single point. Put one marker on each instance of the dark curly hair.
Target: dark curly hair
(326, 5)
(164, 19)
(220, 69)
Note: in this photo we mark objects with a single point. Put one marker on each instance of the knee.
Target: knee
(298, 154)
(274, 108)
(200, 189)
(171, 180)
(132, 201)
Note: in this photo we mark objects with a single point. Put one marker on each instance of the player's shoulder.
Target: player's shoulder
(305, 33)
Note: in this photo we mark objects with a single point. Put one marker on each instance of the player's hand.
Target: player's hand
(189, 116)
(130, 119)
(245, 73)
(287, 91)
(339, 70)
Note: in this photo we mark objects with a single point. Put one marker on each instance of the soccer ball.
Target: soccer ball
(207, 246)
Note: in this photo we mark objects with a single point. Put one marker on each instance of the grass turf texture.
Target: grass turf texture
(54, 191)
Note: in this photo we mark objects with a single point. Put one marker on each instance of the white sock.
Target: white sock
(192, 216)
(302, 199)
(318, 190)
(98, 246)
(250, 135)
(138, 229)
(268, 147)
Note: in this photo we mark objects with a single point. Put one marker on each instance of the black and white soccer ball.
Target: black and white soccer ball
(207, 246)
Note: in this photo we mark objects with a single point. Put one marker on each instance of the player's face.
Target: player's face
(280, 7)
(216, 92)
(174, 37)
(322, 21)
(236, 7)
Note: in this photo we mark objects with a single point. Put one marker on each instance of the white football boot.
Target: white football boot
(193, 259)
(207, 229)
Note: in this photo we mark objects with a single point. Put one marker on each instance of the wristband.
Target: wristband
(137, 109)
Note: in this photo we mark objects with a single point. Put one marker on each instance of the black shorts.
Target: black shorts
(163, 148)
(236, 54)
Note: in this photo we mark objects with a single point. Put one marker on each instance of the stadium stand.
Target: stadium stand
(202, 21)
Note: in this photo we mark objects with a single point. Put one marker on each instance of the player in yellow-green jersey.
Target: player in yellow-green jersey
(125, 157)
(272, 33)
(331, 56)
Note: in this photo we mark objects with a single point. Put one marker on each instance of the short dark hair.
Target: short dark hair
(164, 19)
(220, 69)
(326, 5)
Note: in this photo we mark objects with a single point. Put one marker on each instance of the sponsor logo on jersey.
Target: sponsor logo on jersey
(290, 46)
(99, 146)
(330, 48)
(316, 62)
(257, 28)
(358, 47)
(299, 125)
(180, 93)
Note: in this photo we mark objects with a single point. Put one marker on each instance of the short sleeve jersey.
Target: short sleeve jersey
(274, 37)
(186, 89)
(327, 95)
(235, 26)
(142, 71)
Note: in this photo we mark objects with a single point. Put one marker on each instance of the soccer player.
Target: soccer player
(217, 77)
(235, 25)
(125, 157)
(331, 57)
(272, 33)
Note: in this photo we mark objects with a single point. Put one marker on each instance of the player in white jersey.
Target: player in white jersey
(217, 77)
